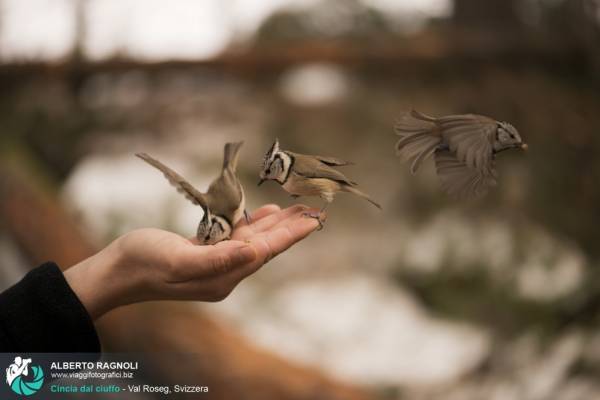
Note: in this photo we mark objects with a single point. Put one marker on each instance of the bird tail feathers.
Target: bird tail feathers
(419, 138)
(231, 155)
(419, 115)
(353, 190)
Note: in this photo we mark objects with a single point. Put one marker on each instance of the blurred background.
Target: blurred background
(429, 299)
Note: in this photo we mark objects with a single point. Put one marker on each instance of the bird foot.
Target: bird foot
(317, 216)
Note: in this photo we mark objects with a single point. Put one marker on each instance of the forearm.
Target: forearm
(97, 283)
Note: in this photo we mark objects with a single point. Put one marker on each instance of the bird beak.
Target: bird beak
(524, 146)
(261, 182)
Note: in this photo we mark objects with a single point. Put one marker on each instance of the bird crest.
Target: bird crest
(271, 153)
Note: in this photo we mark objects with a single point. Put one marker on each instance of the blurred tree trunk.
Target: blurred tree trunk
(583, 17)
(483, 13)
(79, 16)
(75, 66)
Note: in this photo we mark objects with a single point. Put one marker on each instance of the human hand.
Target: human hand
(152, 264)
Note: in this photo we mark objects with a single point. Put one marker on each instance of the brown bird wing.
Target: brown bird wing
(182, 186)
(314, 167)
(471, 137)
(460, 180)
(333, 162)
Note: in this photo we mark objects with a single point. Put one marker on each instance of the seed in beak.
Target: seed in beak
(524, 146)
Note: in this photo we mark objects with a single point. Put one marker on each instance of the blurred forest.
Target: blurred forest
(431, 299)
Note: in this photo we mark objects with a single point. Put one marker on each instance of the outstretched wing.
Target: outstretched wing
(460, 180)
(182, 186)
(314, 167)
(471, 137)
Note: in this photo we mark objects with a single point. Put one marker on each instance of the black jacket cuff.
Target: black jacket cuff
(41, 313)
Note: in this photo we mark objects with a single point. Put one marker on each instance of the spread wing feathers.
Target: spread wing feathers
(419, 137)
(231, 155)
(413, 122)
(313, 167)
(461, 181)
(333, 162)
(182, 186)
(471, 137)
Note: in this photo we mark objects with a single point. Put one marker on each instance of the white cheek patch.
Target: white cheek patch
(226, 232)
(287, 163)
(237, 215)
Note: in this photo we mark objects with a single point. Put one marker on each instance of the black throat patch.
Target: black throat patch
(226, 220)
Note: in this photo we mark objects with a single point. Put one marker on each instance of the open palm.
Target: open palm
(174, 267)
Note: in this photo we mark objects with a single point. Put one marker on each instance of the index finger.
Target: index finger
(259, 213)
(271, 243)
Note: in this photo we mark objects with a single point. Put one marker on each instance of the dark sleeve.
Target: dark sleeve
(42, 314)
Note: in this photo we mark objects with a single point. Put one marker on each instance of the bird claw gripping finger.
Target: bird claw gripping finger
(316, 215)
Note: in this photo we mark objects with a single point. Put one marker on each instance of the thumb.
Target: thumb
(215, 260)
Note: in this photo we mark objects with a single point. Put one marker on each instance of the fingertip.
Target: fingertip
(311, 224)
(304, 223)
(312, 213)
(315, 211)
(297, 208)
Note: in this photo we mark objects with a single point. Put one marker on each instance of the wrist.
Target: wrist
(93, 281)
